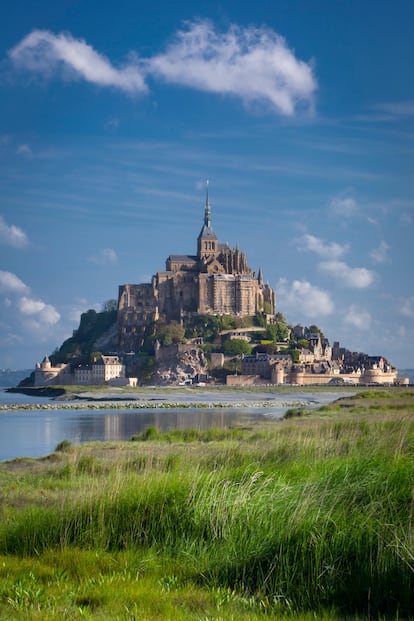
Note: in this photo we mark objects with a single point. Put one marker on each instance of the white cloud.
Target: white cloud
(44, 52)
(358, 317)
(330, 250)
(105, 256)
(18, 296)
(12, 235)
(44, 313)
(407, 307)
(253, 64)
(301, 296)
(354, 277)
(380, 254)
(10, 283)
(343, 206)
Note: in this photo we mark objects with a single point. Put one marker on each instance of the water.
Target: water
(34, 433)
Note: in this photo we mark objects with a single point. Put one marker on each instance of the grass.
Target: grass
(310, 517)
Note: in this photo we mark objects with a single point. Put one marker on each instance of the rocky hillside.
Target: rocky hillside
(176, 366)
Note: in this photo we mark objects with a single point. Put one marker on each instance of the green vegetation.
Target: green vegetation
(306, 518)
(235, 347)
(92, 326)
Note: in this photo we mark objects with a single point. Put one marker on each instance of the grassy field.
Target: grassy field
(307, 518)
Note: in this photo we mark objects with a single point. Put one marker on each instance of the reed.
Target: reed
(308, 516)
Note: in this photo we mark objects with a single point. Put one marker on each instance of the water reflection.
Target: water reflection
(34, 433)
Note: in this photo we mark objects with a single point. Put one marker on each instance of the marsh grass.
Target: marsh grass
(310, 517)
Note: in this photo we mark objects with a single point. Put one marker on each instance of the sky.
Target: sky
(299, 113)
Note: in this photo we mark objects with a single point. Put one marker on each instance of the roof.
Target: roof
(183, 258)
(207, 233)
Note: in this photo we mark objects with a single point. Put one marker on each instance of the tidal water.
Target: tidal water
(34, 433)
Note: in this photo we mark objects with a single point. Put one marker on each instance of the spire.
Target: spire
(260, 276)
(207, 209)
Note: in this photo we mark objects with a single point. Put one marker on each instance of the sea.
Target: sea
(33, 432)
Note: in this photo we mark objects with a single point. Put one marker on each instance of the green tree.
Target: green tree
(277, 332)
(234, 347)
(109, 305)
(169, 333)
(313, 329)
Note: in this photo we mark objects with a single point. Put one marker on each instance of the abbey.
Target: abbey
(217, 280)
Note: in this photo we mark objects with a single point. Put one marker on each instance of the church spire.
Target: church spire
(207, 209)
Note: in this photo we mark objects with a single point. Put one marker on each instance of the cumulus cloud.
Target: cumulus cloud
(18, 296)
(46, 313)
(10, 283)
(44, 52)
(354, 277)
(302, 295)
(380, 254)
(358, 317)
(105, 256)
(407, 307)
(330, 250)
(12, 235)
(254, 64)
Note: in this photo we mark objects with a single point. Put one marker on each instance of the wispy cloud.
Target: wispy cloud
(358, 317)
(326, 250)
(344, 206)
(24, 150)
(301, 297)
(105, 256)
(407, 307)
(353, 277)
(253, 64)
(12, 235)
(380, 254)
(389, 111)
(46, 53)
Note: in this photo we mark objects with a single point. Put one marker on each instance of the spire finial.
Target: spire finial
(207, 210)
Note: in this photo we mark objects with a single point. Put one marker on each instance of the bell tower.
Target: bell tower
(207, 242)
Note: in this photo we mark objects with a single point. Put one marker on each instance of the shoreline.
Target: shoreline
(170, 398)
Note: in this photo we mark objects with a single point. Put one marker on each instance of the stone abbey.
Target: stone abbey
(215, 281)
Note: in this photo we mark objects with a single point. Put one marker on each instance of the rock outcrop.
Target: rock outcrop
(178, 363)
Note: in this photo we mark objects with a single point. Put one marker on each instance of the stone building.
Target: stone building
(46, 375)
(100, 372)
(217, 281)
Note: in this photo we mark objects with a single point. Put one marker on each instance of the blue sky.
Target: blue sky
(301, 115)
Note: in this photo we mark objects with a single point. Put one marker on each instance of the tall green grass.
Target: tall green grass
(304, 515)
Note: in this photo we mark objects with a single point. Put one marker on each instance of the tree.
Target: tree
(313, 329)
(169, 333)
(234, 347)
(109, 305)
(277, 332)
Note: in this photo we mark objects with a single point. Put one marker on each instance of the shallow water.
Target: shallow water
(33, 433)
